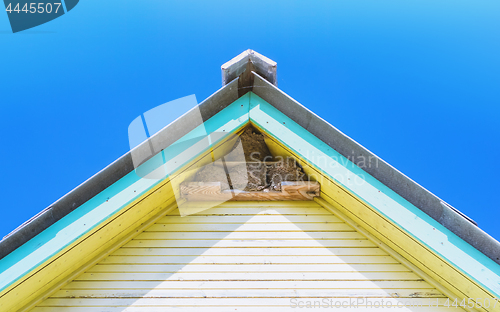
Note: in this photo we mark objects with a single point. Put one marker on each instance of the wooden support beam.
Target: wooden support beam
(211, 191)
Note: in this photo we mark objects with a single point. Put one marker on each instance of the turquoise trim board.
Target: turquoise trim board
(116, 197)
(422, 227)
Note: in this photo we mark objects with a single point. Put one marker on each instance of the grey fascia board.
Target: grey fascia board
(116, 170)
(426, 201)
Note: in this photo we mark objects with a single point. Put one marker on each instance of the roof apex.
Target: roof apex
(248, 61)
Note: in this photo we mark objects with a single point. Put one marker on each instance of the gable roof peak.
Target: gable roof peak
(242, 65)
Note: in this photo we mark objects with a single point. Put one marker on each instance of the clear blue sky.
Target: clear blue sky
(416, 82)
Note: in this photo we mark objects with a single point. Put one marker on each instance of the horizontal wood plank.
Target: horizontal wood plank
(233, 302)
(416, 285)
(250, 276)
(326, 243)
(259, 227)
(248, 293)
(250, 235)
(193, 268)
(250, 219)
(252, 210)
(211, 191)
(238, 251)
(270, 259)
(247, 204)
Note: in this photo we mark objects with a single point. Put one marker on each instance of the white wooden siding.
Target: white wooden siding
(247, 256)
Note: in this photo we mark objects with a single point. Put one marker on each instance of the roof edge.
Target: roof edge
(115, 171)
(436, 208)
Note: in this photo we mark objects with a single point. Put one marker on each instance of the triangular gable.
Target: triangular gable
(87, 234)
